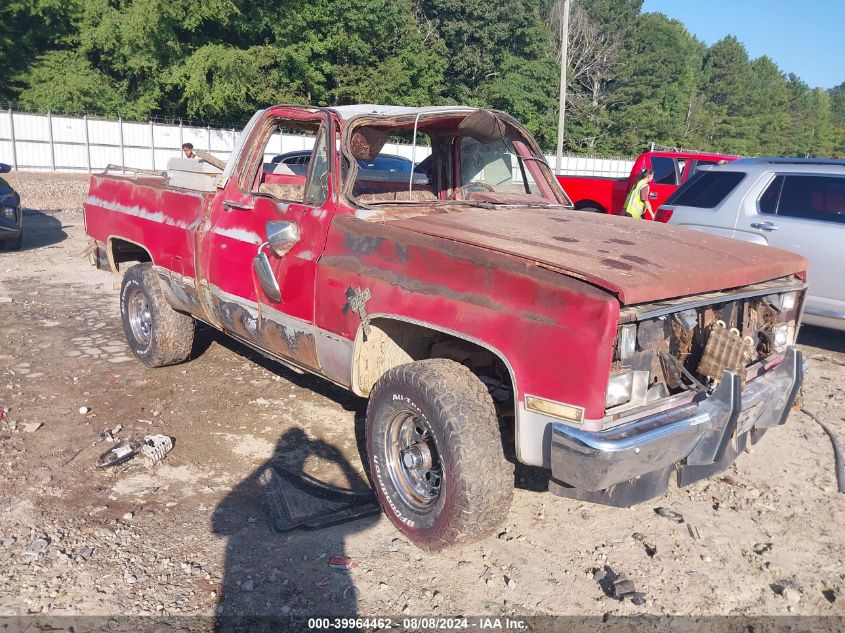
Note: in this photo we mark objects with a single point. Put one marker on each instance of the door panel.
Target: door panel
(236, 233)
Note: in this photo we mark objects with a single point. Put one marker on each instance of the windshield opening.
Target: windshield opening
(460, 158)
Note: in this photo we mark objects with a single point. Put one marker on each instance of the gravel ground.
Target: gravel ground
(189, 536)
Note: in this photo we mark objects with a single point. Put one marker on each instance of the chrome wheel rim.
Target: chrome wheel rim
(413, 461)
(140, 319)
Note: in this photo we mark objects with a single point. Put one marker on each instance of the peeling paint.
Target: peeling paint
(139, 212)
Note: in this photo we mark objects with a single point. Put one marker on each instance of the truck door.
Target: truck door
(264, 235)
(667, 177)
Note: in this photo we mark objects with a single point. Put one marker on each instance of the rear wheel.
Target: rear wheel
(157, 334)
(435, 454)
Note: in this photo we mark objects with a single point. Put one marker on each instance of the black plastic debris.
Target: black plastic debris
(666, 513)
(294, 500)
(650, 548)
(120, 453)
(617, 585)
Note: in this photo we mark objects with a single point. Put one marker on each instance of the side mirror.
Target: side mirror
(282, 236)
(4, 168)
(262, 267)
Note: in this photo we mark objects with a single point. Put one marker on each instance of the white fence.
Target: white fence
(39, 142)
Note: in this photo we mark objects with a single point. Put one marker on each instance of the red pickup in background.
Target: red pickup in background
(607, 195)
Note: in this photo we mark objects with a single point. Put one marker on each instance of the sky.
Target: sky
(805, 38)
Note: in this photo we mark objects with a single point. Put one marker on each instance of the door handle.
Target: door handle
(652, 195)
(764, 226)
(229, 205)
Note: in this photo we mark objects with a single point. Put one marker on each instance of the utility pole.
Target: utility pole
(564, 42)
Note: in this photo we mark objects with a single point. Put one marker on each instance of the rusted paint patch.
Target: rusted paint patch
(407, 282)
(238, 319)
(289, 341)
(363, 244)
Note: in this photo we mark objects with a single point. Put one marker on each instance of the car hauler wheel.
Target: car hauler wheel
(157, 334)
(435, 454)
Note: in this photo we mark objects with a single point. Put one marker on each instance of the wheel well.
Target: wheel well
(121, 251)
(392, 342)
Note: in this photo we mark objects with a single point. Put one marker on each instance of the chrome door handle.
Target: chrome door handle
(652, 195)
(229, 205)
(764, 226)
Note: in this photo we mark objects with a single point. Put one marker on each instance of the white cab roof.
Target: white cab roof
(349, 111)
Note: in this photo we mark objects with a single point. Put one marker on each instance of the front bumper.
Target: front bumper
(696, 440)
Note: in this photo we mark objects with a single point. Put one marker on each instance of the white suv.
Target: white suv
(792, 203)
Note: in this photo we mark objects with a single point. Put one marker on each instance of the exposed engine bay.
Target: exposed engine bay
(675, 350)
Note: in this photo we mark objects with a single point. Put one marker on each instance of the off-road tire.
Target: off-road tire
(172, 333)
(477, 481)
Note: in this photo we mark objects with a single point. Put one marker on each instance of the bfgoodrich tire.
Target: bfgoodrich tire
(157, 334)
(435, 454)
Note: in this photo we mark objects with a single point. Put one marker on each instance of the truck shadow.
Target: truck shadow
(823, 338)
(529, 478)
(270, 578)
(40, 230)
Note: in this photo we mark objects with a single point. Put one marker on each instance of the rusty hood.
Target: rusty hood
(638, 261)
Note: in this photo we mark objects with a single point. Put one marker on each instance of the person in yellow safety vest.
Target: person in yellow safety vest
(637, 203)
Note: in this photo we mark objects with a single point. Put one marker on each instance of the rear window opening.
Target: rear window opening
(706, 189)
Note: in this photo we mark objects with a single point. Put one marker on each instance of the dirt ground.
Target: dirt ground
(189, 536)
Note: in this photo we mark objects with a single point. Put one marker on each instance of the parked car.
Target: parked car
(11, 214)
(485, 321)
(792, 203)
(298, 161)
(607, 195)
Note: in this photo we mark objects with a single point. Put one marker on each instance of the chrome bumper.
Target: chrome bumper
(705, 433)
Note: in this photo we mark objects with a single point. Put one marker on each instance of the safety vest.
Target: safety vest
(634, 204)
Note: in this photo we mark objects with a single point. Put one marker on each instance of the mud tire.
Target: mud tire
(477, 480)
(171, 335)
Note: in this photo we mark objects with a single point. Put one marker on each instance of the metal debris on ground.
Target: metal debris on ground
(120, 453)
(617, 586)
(108, 435)
(295, 500)
(650, 548)
(155, 447)
(666, 513)
(693, 532)
(342, 562)
(761, 548)
(36, 547)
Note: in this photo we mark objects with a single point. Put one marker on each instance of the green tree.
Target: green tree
(658, 100)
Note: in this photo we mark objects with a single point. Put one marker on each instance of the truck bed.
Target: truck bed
(144, 210)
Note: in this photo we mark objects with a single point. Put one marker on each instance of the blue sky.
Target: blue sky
(805, 38)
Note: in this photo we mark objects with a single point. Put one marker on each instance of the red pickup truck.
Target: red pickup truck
(486, 322)
(607, 195)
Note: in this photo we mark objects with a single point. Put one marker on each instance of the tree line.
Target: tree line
(633, 78)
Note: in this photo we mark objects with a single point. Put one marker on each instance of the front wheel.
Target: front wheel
(157, 334)
(435, 454)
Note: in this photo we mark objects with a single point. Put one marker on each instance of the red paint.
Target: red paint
(608, 195)
(543, 288)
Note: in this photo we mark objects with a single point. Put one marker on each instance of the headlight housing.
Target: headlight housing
(619, 389)
(626, 341)
(11, 213)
